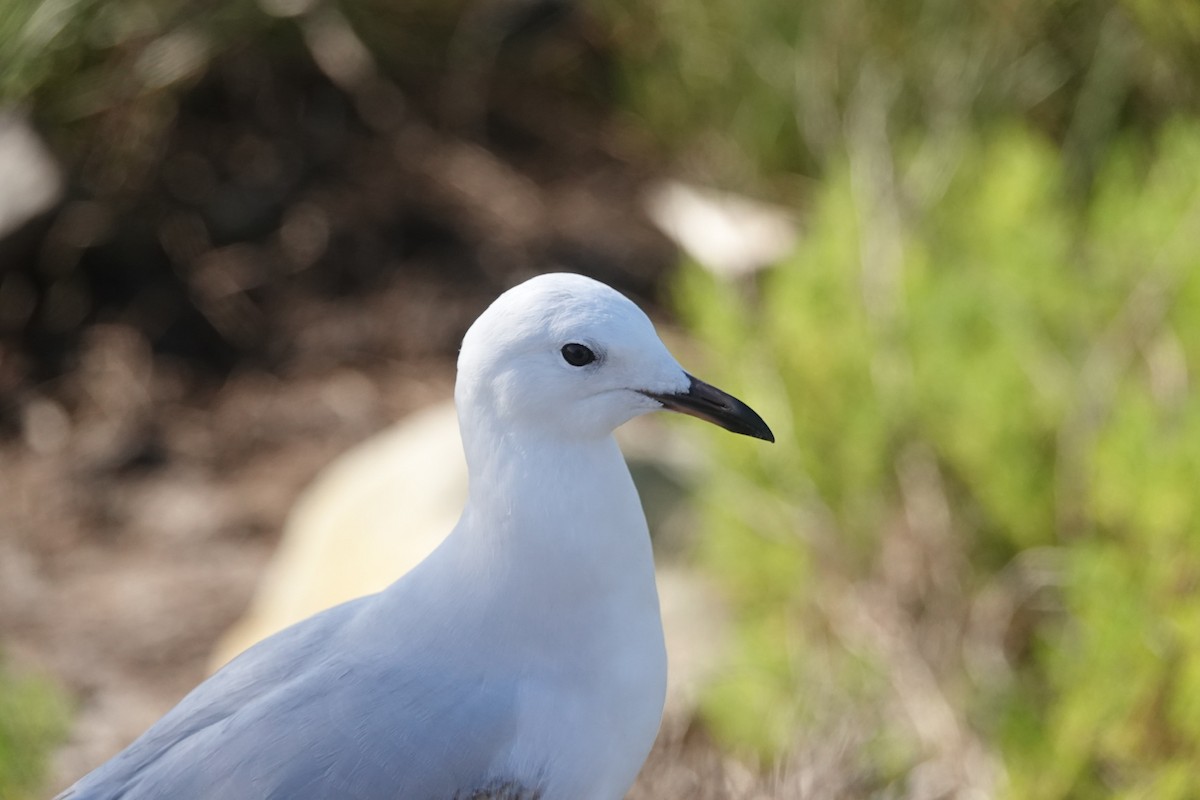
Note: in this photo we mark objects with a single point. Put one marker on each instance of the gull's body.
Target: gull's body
(524, 658)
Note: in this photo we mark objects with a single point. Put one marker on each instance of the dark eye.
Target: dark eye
(577, 355)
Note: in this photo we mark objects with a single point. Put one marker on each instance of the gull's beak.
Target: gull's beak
(710, 403)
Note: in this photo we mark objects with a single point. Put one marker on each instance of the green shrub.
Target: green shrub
(33, 718)
(756, 92)
(988, 449)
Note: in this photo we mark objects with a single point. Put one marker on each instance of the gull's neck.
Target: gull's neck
(557, 520)
(555, 556)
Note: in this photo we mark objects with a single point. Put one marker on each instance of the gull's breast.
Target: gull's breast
(588, 723)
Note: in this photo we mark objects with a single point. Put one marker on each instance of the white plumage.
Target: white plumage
(524, 657)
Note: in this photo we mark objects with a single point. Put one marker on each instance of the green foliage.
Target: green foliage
(81, 57)
(755, 90)
(101, 78)
(1000, 387)
(33, 718)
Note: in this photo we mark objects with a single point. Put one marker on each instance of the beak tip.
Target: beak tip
(711, 404)
(758, 429)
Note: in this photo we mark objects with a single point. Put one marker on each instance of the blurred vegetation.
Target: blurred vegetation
(756, 92)
(33, 719)
(987, 455)
(74, 61)
(978, 533)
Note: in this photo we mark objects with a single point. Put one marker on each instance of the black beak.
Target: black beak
(710, 403)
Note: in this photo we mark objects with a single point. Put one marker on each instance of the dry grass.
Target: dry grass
(686, 763)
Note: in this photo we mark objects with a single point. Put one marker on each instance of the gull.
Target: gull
(523, 659)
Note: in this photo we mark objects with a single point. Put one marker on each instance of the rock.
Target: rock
(30, 176)
(727, 234)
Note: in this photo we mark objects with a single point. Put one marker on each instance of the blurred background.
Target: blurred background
(949, 250)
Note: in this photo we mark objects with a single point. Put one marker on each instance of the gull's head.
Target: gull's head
(569, 357)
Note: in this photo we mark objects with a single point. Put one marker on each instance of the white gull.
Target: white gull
(524, 657)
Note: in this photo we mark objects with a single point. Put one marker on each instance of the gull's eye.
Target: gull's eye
(577, 355)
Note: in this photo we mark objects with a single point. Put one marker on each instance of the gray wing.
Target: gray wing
(320, 710)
